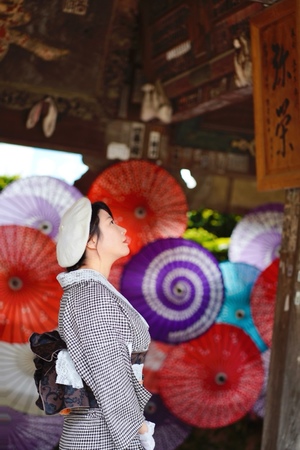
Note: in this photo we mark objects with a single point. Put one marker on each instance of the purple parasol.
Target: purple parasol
(170, 431)
(177, 286)
(56, 193)
(256, 239)
(30, 211)
(20, 431)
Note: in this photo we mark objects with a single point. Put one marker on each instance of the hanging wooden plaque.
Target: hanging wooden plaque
(275, 56)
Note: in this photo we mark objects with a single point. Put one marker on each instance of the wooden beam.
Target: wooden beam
(281, 423)
(71, 134)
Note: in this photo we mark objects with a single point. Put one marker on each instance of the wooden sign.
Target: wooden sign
(275, 58)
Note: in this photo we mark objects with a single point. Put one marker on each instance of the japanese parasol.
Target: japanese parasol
(169, 432)
(156, 355)
(256, 239)
(177, 287)
(29, 432)
(213, 380)
(31, 211)
(239, 279)
(17, 386)
(260, 404)
(144, 198)
(116, 271)
(263, 299)
(29, 292)
(38, 202)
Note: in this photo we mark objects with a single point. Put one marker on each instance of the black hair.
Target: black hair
(94, 229)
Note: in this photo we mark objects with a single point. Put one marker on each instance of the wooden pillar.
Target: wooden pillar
(281, 429)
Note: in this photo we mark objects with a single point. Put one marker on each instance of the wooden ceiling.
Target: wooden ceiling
(93, 58)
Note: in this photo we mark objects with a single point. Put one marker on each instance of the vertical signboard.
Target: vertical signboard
(275, 57)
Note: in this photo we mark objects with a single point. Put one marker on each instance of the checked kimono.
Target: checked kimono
(103, 332)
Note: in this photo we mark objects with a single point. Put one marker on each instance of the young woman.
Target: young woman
(106, 338)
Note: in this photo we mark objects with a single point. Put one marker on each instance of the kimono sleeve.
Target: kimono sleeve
(101, 357)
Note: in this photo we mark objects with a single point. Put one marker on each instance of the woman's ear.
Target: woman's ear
(92, 243)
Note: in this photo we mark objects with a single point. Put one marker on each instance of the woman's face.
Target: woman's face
(112, 242)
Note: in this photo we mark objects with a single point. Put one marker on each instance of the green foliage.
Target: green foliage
(215, 222)
(217, 246)
(212, 230)
(5, 180)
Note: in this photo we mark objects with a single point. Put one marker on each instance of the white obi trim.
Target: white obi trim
(66, 372)
(138, 371)
(137, 368)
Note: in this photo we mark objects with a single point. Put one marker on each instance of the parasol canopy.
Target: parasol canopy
(263, 299)
(256, 239)
(22, 431)
(45, 198)
(170, 432)
(156, 355)
(213, 380)
(239, 279)
(144, 198)
(29, 292)
(260, 404)
(17, 386)
(177, 287)
(31, 211)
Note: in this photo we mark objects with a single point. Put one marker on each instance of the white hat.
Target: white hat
(73, 233)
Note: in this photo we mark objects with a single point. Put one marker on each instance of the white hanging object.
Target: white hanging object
(148, 110)
(49, 121)
(155, 104)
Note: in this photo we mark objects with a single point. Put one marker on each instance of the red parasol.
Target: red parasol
(213, 380)
(29, 291)
(144, 198)
(117, 271)
(262, 301)
(156, 355)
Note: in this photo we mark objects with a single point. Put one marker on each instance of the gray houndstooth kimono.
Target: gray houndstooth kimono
(99, 325)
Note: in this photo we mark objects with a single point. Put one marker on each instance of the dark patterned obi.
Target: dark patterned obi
(54, 398)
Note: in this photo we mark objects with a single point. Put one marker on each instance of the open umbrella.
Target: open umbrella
(213, 380)
(260, 404)
(156, 355)
(31, 211)
(17, 386)
(256, 239)
(45, 199)
(29, 292)
(263, 299)
(144, 198)
(169, 432)
(22, 431)
(177, 286)
(116, 272)
(238, 282)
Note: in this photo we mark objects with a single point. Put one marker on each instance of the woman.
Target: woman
(103, 333)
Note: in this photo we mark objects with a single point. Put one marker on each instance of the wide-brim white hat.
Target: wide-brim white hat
(74, 233)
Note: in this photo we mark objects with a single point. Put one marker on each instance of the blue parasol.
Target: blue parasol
(239, 279)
